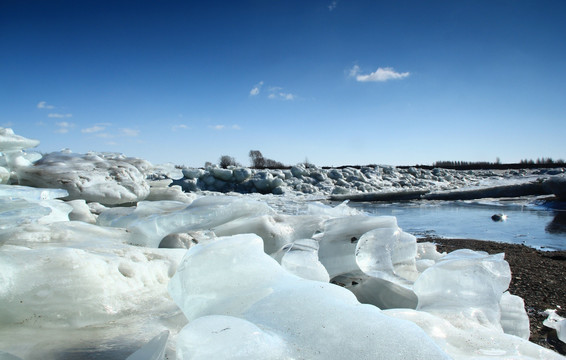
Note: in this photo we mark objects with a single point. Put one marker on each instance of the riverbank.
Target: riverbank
(537, 277)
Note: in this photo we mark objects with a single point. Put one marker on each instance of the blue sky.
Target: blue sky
(337, 82)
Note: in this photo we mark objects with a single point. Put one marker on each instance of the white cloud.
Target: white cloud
(287, 96)
(333, 5)
(256, 89)
(277, 93)
(180, 127)
(236, 127)
(380, 75)
(104, 135)
(282, 96)
(44, 105)
(59, 116)
(63, 127)
(217, 127)
(93, 129)
(130, 132)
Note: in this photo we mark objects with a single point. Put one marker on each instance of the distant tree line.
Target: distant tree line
(497, 165)
(258, 161)
(542, 161)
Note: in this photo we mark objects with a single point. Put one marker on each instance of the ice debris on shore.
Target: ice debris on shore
(556, 322)
(328, 283)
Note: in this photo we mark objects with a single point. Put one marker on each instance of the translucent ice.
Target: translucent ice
(388, 253)
(233, 277)
(275, 230)
(514, 318)
(339, 238)
(59, 286)
(301, 258)
(153, 350)
(472, 342)
(81, 212)
(12, 142)
(465, 287)
(31, 193)
(228, 337)
(556, 322)
(20, 205)
(202, 214)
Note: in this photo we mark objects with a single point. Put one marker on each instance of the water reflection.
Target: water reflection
(558, 224)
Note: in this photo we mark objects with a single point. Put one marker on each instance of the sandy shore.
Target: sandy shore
(537, 276)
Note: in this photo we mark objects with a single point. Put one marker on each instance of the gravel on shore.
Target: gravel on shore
(539, 277)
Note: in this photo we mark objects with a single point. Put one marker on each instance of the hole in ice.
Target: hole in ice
(353, 240)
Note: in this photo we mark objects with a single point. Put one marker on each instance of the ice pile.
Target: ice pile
(112, 179)
(314, 180)
(11, 154)
(106, 178)
(347, 181)
(59, 275)
(83, 278)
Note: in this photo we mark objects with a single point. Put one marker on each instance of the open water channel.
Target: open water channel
(538, 226)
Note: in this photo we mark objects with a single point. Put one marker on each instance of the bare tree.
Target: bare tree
(226, 161)
(257, 159)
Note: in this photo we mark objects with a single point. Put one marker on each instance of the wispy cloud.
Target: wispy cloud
(63, 127)
(179, 127)
(256, 89)
(104, 135)
(222, 127)
(44, 105)
(380, 75)
(282, 96)
(333, 5)
(276, 92)
(130, 132)
(93, 129)
(59, 116)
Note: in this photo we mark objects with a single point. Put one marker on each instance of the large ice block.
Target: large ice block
(465, 287)
(92, 177)
(233, 277)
